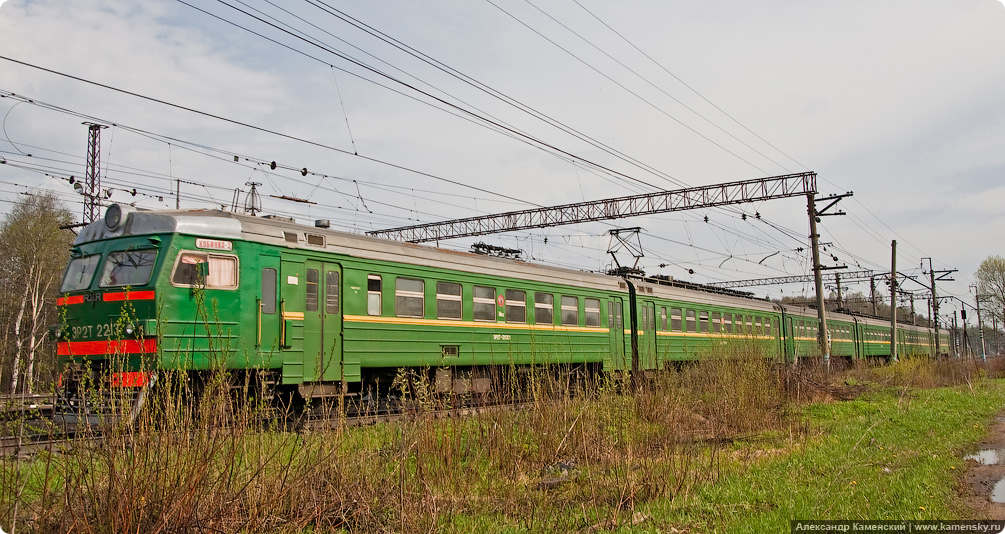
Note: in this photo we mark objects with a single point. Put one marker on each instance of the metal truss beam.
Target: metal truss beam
(739, 192)
(845, 277)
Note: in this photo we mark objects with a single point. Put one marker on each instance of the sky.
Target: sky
(409, 112)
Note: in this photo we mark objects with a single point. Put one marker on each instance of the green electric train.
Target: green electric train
(326, 313)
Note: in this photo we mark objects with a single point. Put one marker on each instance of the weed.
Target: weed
(705, 443)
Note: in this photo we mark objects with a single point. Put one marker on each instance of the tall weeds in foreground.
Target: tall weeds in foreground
(592, 457)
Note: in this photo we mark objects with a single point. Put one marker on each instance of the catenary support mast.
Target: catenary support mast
(893, 302)
(818, 280)
(92, 179)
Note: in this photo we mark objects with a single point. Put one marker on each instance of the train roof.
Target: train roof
(121, 220)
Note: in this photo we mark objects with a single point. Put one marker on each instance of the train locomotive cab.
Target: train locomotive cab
(123, 271)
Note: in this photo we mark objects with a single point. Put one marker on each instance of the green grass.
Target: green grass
(891, 454)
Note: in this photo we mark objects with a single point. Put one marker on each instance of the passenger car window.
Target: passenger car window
(448, 300)
(592, 309)
(570, 310)
(268, 290)
(373, 293)
(201, 269)
(516, 306)
(544, 308)
(409, 297)
(484, 303)
(331, 291)
(312, 290)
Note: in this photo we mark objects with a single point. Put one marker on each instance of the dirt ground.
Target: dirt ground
(979, 480)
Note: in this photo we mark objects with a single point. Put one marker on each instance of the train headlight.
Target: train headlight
(113, 217)
(130, 329)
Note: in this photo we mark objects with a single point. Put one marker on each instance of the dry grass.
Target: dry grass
(592, 459)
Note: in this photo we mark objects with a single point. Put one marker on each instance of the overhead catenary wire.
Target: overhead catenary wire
(174, 139)
(685, 84)
(655, 86)
(539, 142)
(262, 129)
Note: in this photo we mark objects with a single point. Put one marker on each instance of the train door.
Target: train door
(291, 327)
(322, 322)
(648, 336)
(268, 319)
(616, 327)
(790, 338)
(856, 336)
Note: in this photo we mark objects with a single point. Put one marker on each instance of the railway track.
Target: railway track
(14, 407)
(33, 438)
(29, 444)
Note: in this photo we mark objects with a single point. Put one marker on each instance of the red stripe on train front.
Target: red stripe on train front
(100, 348)
(108, 297)
(131, 295)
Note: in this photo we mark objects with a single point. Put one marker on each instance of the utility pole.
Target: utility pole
(966, 337)
(935, 298)
(817, 280)
(994, 322)
(914, 318)
(92, 180)
(872, 295)
(954, 337)
(893, 302)
(935, 308)
(837, 278)
(823, 336)
(980, 325)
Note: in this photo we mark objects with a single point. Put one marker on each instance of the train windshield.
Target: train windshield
(128, 268)
(79, 273)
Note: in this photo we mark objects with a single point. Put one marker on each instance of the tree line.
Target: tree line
(33, 252)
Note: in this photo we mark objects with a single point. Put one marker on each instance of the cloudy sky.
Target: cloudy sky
(406, 112)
